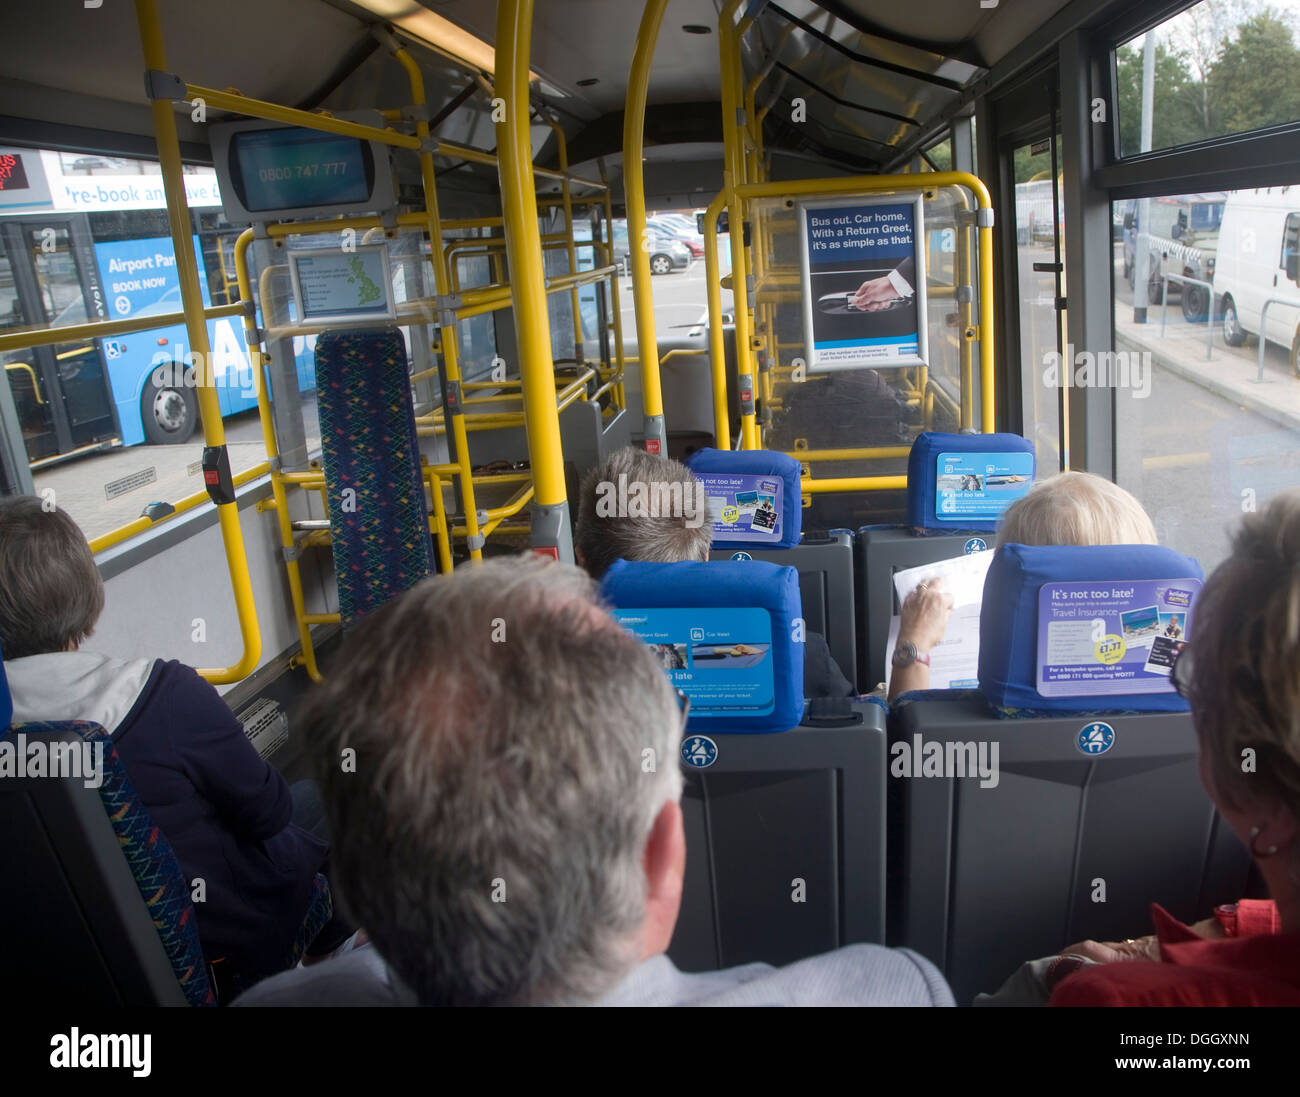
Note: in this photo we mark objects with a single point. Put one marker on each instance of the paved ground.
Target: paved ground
(82, 486)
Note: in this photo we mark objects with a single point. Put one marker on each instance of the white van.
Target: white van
(1259, 243)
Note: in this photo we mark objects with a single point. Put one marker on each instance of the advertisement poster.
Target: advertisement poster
(744, 508)
(980, 485)
(863, 282)
(720, 658)
(1100, 638)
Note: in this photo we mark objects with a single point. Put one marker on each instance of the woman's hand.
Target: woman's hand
(925, 615)
(1115, 952)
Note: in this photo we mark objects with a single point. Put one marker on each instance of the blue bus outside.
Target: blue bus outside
(139, 278)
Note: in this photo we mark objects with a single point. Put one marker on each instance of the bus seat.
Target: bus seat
(825, 565)
(727, 635)
(105, 916)
(932, 533)
(738, 478)
(785, 842)
(826, 589)
(1067, 843)
(378, 515)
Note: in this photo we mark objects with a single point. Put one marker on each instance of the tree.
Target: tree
(1177, 118)
(1256, 80)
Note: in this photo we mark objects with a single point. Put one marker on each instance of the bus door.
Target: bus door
(48, 279)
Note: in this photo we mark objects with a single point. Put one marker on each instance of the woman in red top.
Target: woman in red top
(1241, 673)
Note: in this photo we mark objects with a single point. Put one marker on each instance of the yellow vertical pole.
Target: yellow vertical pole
(567, 199)
(733, 175)
(717, 349)
(638, 85)
(965, 360)
(987, 420)
(284, 520)
(448, 337)
(550, 510)
(615, 306)
(196, 331)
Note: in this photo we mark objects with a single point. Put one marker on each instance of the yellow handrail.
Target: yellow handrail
(284, 523)
(717, 348)
(448, 336)
(638, 85)
(139, 525)
(214, 434)
(532, 324)
(733, 176)
(23, 366)
(857, 183)
(72, 333)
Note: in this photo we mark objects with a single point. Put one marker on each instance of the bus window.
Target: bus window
(1039, 225)
(1190, 421)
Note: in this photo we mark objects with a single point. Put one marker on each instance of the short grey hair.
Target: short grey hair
(1245, 640)
(1076, 508)
(511, 747)
(664, 539)
(51, 594)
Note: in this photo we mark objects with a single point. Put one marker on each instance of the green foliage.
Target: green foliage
(1256, 80)
(1252, 81)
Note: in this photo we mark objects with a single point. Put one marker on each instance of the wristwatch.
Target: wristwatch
(905, 654)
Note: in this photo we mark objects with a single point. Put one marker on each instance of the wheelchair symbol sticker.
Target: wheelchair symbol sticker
(699, 751)
(1096, 738)
(975, 544)
(741, 556)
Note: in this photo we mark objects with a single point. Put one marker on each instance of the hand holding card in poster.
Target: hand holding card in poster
(863, 282)
(1099, 639)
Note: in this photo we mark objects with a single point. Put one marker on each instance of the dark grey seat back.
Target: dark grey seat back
(75, 929)
(1067, 846)
(880, 553)
(825, 567)
(771, 811)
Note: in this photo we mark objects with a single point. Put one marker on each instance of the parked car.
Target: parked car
(1259, 247)
(1183, 237)
(667, 253)
(693, 240)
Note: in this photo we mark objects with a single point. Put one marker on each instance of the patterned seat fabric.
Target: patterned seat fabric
(153, 864)
(378, 517)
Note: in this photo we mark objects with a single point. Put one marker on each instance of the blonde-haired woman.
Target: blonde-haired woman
(1071, 508)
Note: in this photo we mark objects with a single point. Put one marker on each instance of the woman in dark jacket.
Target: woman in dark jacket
(224, 810)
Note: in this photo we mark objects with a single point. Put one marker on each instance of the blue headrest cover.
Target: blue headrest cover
(1009, 618)
(728, 472)
(765, 604)
(6, 700)
(971, 508)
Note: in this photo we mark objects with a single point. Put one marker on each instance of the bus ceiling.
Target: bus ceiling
(849, 82)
